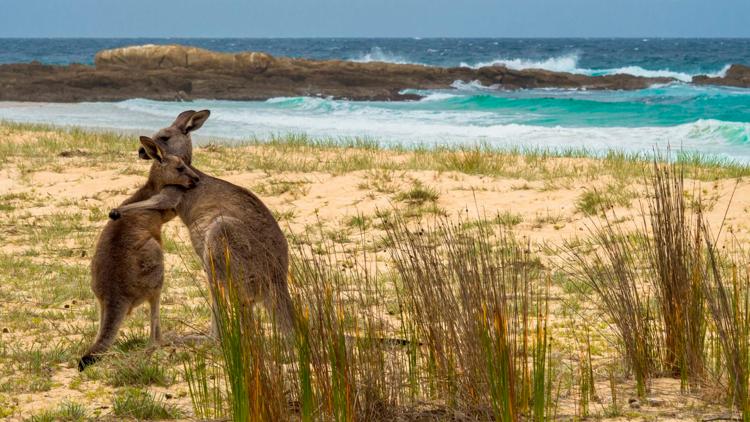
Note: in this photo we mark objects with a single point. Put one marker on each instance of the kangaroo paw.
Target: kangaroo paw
(86, 361)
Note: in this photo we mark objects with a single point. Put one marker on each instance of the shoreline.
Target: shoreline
(302, 140)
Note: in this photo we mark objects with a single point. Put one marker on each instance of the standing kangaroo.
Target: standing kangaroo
(127, 268)
(232, 231)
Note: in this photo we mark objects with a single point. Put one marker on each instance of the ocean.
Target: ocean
(709, 120)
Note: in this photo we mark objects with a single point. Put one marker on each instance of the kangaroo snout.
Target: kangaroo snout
(192, 177)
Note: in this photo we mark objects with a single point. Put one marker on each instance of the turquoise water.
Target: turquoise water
(657, 106)
(710, 120)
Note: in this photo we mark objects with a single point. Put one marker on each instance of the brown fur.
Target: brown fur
(233, 232)
(127, 268)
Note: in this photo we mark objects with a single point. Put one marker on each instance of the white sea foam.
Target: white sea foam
(566, 63)
(472, 86)
(377, 54)
(387, 123)
(722, 73)
(438, 96)
(646, 73)
(569, 63)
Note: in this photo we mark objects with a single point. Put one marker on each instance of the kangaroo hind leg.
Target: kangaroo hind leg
(112, 315)
(154, 302)
(225, 262)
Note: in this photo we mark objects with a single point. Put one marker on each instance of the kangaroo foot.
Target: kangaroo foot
(87, 360)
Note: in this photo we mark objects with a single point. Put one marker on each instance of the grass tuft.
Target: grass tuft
(139, 371)
(418, 195)
(67, 411)
(140, 404)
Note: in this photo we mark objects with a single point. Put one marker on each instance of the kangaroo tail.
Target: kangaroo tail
(110, 320)
(282, 308)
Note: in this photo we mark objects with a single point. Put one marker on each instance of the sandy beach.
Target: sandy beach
(56, 187)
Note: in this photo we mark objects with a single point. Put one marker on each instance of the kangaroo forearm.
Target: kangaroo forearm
(168, 198)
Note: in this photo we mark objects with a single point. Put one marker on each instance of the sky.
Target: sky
(374, 18)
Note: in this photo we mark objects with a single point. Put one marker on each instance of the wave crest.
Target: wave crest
(377, 54)
(645, 73)
(567, 63)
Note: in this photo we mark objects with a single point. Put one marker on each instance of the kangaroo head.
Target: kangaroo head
(167, 169)
(175, 139)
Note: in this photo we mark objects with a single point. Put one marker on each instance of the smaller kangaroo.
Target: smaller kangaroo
(127, 268)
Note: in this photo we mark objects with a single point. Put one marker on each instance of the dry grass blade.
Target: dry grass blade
(728, 300)
(611, 270)
(475, 300)
(675, 254)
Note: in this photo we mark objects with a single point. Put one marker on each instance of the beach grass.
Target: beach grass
(342, 155)
(432, 283)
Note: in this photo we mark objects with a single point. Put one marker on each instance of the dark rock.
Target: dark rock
(179, 73)
(737, 75)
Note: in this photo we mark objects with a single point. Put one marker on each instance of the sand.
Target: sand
(547, 214)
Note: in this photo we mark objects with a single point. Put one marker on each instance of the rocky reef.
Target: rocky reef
(174, 72)
(737, 75)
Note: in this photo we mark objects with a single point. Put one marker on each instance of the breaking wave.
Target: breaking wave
(377, 54)
(569, 63)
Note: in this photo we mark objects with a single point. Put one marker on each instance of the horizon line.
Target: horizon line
(416, 38)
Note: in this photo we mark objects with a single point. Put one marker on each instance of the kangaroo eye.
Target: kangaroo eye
(181, 169)
(164, 138)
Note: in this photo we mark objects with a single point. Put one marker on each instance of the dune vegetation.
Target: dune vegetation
(430, 284)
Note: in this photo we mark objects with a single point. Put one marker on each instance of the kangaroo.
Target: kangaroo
(127, 268)
(231, 230)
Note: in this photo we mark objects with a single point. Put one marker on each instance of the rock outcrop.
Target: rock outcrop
(176, 72)
(737, 75)
(175, 56)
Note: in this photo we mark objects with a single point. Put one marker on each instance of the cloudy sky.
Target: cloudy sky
(374, 18)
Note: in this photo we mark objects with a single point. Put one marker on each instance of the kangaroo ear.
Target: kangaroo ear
(196, 121)
(152, 149)
(191, 120)
(182, 118)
